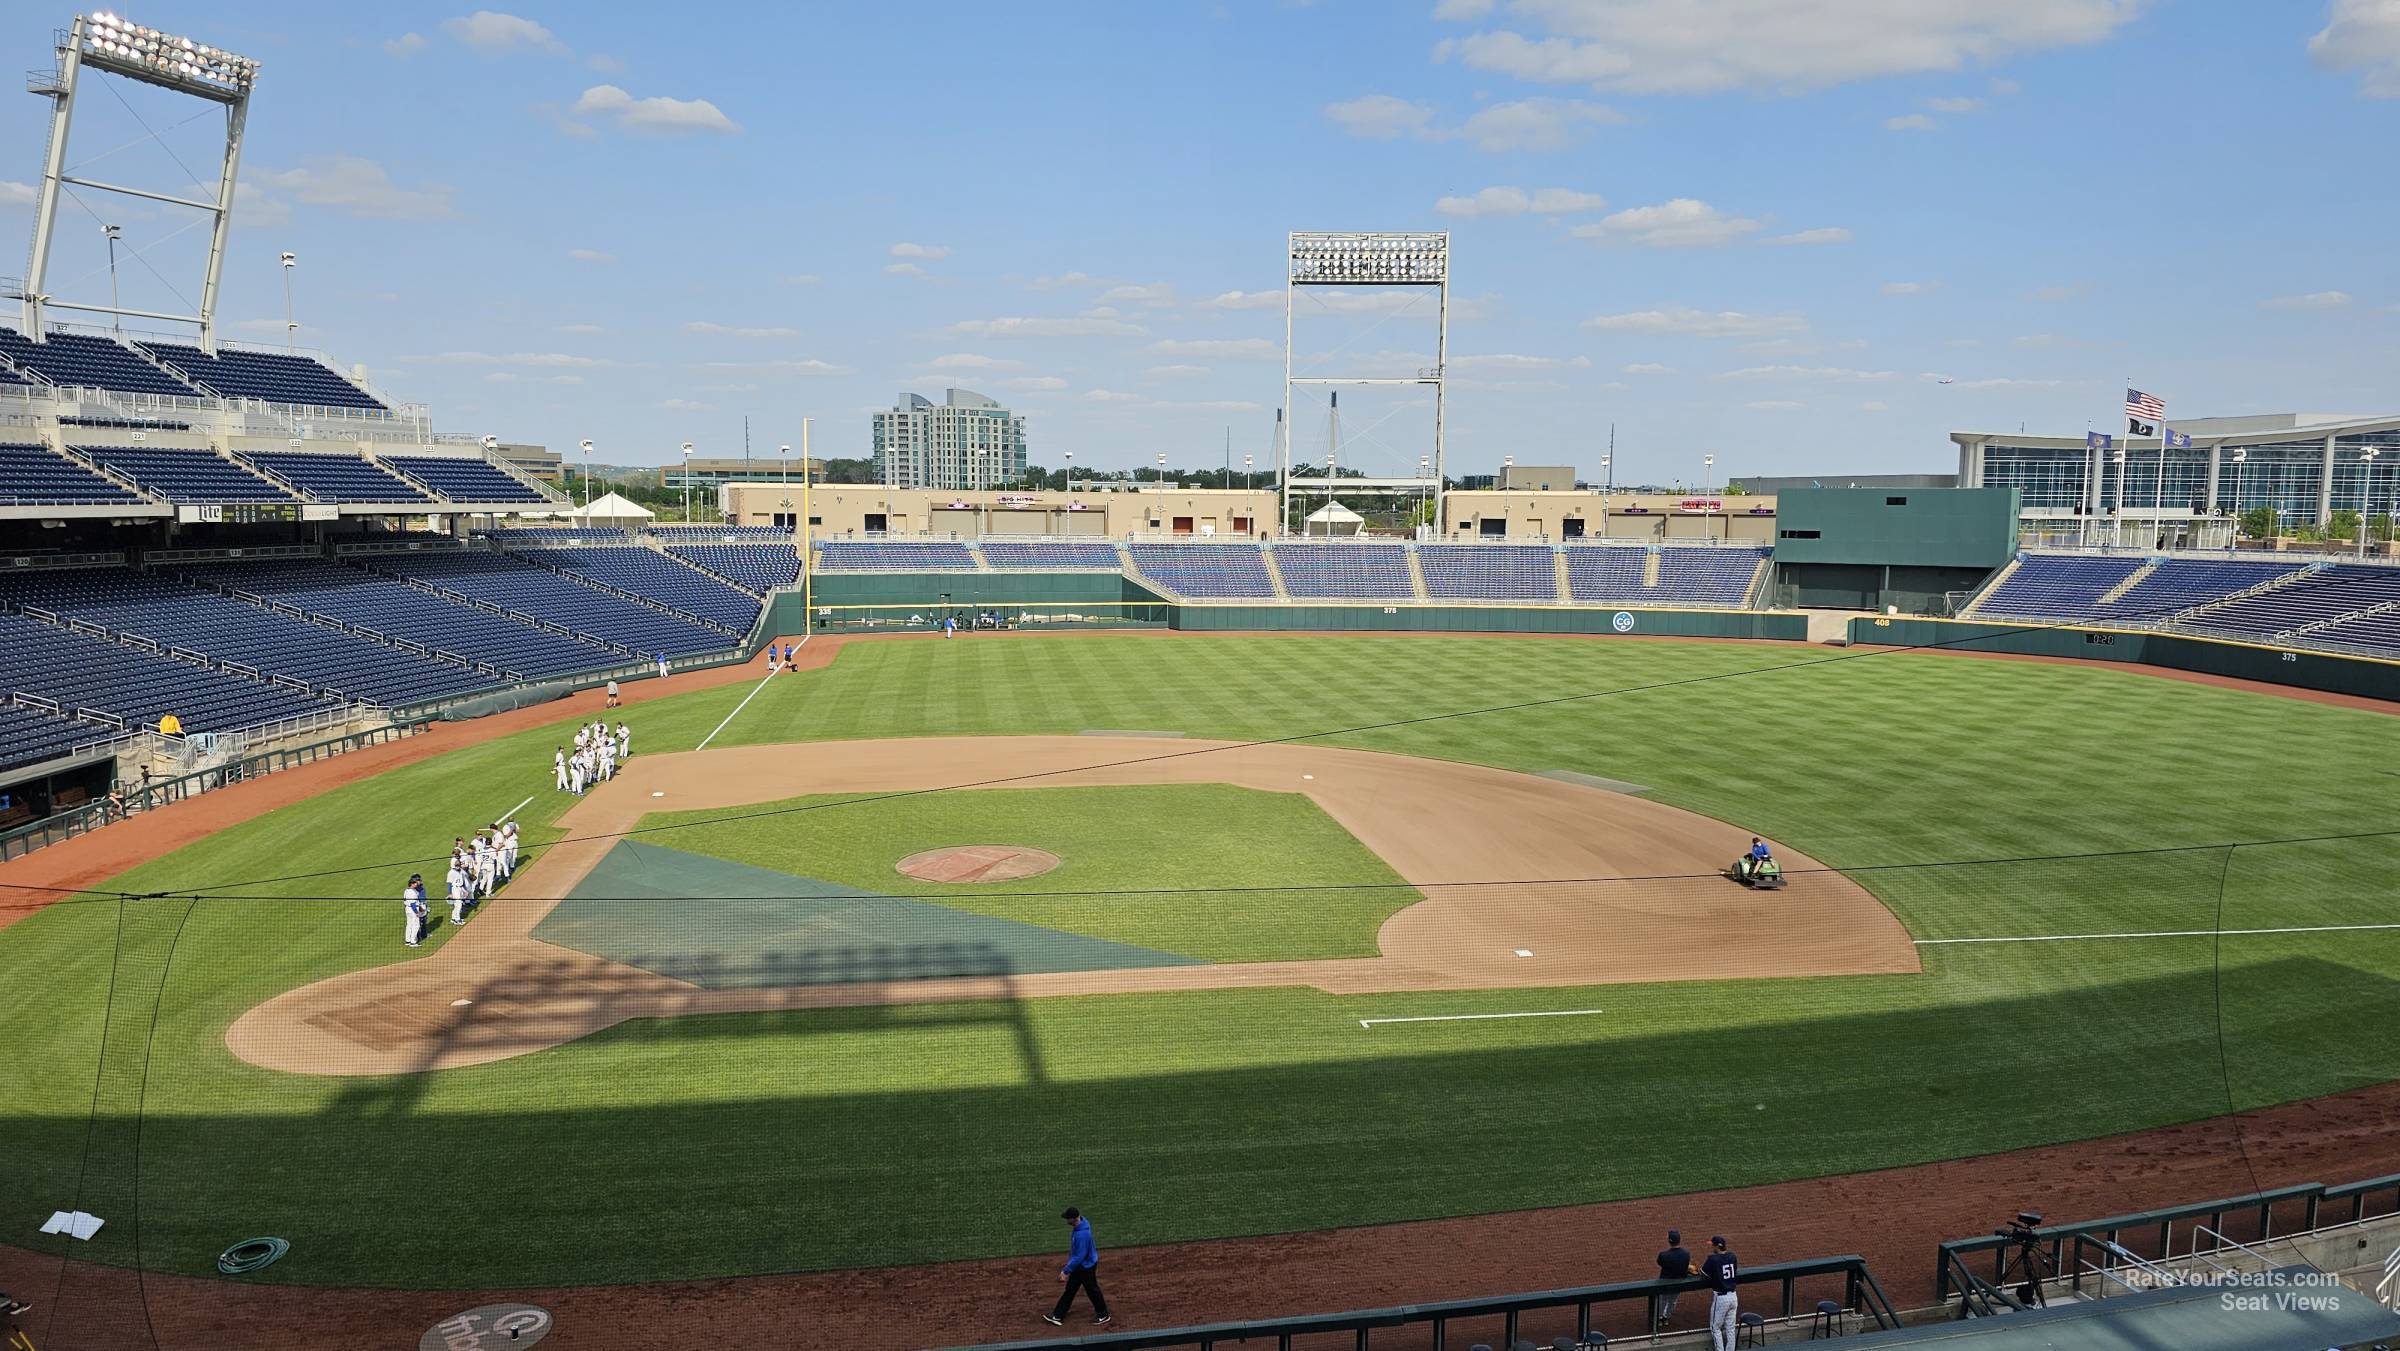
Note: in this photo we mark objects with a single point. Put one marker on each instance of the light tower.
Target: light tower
(108, 43)
(1378, 259)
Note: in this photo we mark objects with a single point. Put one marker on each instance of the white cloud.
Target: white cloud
(23, 194)
(2362, 36)
(1535, 124)
(666, 116)
(601, 63)
(1032, 382)
(1956, 107)
(686, 406)
(1647, 368)
(971, 361)
(1223, 349)
(1110, 396)
(1243, 300)
(2034, 340)
(1773, 405)
(1685, 322)
(904, 270)
(1993, 382)
(404, 46)
(706, 329)
(590, 256)
(358, 187)
(1065, 280)
(2314, 300)
(905, 249)
(1831, 234)
(583, 329)
(1518, 202)
(1823, 374)
(1909, 288)
(808, 366)
(1018, 327)
(1874, 406)
(487, 31)
(1154, 296)
(1774, 46)
(1684, 223)
(1462, 10)
(553, 359)
(1909, 122)
(1516, 361)
(1380, 117)
(1102, 312)
(1176, 372)
(512, 378)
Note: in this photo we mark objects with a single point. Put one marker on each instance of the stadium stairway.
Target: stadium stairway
(2132, 579)
(1274, 574)
(86, 462)
(1761, 579)
(1416, 575)
(1649, 572)
(1559, 579)
(712, 574)
(1997, 580)
(2371, 611)
(2202, 610)
(534, 558)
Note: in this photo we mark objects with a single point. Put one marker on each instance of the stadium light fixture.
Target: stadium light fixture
(1364, 258)
(1370, 259)
(687, 483)
(121, 47)
(1070, 470)
(291, 330)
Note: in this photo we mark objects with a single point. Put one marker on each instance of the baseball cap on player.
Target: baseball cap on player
(1717, 1242)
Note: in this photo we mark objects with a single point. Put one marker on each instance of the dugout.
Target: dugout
(1869, 548)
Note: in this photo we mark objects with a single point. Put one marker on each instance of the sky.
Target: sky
(1804, 236)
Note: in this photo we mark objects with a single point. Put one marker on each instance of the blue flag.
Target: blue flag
(2175, 440)
(2098, 440)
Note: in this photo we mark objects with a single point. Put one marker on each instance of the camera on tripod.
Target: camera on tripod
(2021, 1228)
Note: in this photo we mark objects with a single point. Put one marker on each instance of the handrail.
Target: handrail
(1860, 1295)
(2059, 1239)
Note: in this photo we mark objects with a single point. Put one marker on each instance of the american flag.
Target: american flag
(2144, 407)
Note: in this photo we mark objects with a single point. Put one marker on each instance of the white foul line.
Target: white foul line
(2163, 933)
(1479, 1017)
(518, 808)
(753, 694)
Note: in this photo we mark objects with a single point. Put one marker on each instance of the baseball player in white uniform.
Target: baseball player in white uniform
(412, 906)
(508, 849)
(624, 742)
(458, 884)
(561, 764)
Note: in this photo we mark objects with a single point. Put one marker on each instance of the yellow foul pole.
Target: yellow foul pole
(808, 571)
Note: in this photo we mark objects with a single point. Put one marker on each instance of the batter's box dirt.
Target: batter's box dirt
(976, 863)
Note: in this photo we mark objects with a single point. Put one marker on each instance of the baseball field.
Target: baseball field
(1261, 988)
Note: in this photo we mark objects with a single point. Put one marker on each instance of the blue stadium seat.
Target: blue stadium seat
(91, 360)
(1052, 556)
(338, 477)
(463, 479)
(717, 534)
(2058, 586)
(1522, 572)
(1225, 571)
(1340, 570)
(29, 735)
(1608, 574)
(176, 614)
(277, 377)
(646, 572)
(760, 567)
(186, 475)
(1716, 576)
(77, 670)
(2325, 594)
(545, 595)
(36, 475)
(397, 610)
(893, 555)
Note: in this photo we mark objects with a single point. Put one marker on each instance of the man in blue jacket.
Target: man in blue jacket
(1082, 1271)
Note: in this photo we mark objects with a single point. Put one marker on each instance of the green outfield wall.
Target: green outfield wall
(855, 602)
(2367, 677)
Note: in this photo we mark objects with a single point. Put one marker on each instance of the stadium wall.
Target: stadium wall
(2367, 677)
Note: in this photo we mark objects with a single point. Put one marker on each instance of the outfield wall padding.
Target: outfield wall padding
(2366, 677)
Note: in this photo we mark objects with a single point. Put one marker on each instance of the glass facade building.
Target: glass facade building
(961, 444)
(2304, 467)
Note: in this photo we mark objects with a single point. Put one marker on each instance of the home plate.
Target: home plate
(658, 795)
(1524, 952)
(1308, 776)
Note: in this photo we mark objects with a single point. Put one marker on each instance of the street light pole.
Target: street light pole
(1070, 471)
(587, 479)
(2366, 480)
(1708, 489)
(2239, 456)
(116, 321)
(1608, 483)
(291, 330)
(687, 483)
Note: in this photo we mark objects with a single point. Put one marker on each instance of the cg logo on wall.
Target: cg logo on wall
(489, 1328)
(1621, 621)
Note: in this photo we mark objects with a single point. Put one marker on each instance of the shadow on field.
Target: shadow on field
(728, 1145)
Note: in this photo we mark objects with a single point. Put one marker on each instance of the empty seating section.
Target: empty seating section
(1611, 574)
(893, 555)
(1367, 571)
(1488, 571)
(83, 359)
(1052, 555)
(2057, 586)
(186, 475)
(277, 377)
(555, 534)
(29, 736)
(337, 478)
(398, 610)
(1715, 576)
(463, 480)
(545, 595)
(32, 474)
(760, 567)
(175, 614)
(2181, 583)
(2324, 595)
(76, 670)
(1237, 571)
(646, 572)
(717, 534)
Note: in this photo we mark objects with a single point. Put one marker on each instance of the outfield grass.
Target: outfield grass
(1260, 876)
(701, 1146)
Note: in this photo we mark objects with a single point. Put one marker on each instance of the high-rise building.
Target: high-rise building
(964, 442)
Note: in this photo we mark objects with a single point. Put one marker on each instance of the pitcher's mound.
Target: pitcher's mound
(977, 863)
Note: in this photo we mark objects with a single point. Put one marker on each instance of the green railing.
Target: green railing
(92, 816)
